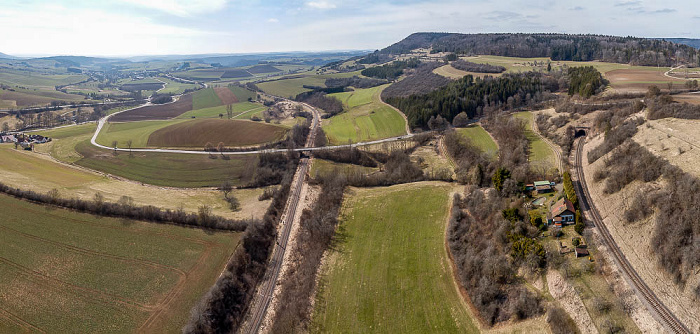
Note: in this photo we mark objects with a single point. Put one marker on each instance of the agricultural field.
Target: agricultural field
(241, 110)
(197, 133)
(156, 112)
(366, 118)
(137, 132)
(479, 137)
(169, 169)
(205, 98)
(639, 79)
(295, 85)
(174, 87)
(692, 98)
(62, 271)
(540, 152)
(391, 272)
(38, 80)
(39, 173)
(22, 97)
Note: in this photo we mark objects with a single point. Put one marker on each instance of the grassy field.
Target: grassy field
(321, 167)
(174, 87)
(292, 87)
(240, 110)
(167, 169)
(205, 98)
(540, 152)
(243, 94)
(480, 138)
(197, 133)
(391, 273)
(62, 271)
(37, 172)
(138, 132)
(367, 118)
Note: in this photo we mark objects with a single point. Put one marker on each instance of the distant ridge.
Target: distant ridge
(694, 42)
(614, 49)
(6, 56)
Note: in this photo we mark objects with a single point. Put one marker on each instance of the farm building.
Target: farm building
(562, 213)
(543, 187)
(8, 139)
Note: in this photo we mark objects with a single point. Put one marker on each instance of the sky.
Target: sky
(159, 27)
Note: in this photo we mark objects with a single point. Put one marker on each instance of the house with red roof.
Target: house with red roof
(562, 213)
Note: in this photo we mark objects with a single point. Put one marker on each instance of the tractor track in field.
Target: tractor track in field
(653, 303)
(19, 321)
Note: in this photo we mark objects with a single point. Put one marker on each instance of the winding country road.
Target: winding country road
(104, 120)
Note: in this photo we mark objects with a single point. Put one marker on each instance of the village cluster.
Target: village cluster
(25, 141)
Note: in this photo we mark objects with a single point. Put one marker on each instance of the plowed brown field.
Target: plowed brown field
(231, 132)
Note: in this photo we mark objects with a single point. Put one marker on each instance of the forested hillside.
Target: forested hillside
(474, 96)
(625, 50)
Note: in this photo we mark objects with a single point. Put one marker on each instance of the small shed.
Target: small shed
(543, 187)
(581, 251)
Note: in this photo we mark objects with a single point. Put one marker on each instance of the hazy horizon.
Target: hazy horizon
(126, 28)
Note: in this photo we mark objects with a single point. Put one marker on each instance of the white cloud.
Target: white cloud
(89, 32)
(181, 7)
(273, 20)
(321, 4)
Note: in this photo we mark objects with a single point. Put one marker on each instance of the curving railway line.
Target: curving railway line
(653, 303)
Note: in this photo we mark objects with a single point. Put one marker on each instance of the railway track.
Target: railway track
(267, 287)
(654, 304)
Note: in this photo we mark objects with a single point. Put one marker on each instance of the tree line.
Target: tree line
(585, 81)
(125, 208)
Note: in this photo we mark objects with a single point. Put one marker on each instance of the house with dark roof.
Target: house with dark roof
(543, 187)
(562, 213)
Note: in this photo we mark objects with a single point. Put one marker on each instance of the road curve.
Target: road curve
(315, 124)
(653, 303)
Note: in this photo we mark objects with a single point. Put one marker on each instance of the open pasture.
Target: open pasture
(174, 87)
(391, 272)
(19, 97)
(448, 71)
(62, 271)
(137, 132)
(540, 153)
(295, 84)
(168, 169)
(156, 112)
(197, 133)
(366, 118)
(479, 137)
(205, 98)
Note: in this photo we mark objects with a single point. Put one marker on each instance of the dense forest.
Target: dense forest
(585, 81)
(472, 96)
(390, 71)
(477, 68)
(422, 80)
(624, 50)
